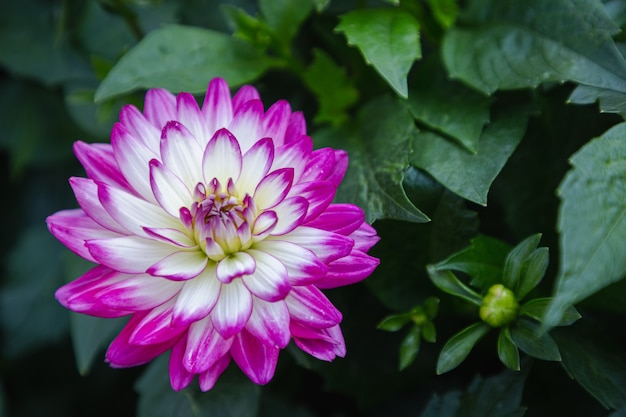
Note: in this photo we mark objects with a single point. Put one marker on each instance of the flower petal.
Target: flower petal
(122, 354)
(245, 94)
(269, 322)
(323, 344)
(99, 162)
(80, 295)
(222, 158)
(294, 154)
(205, 346)
(132, 157)
(347, 270)
(217, 108)
(296, 127)
(290, 213)
(256, 360)
(171, 236)
(180, 377)
(170, 191)
(339, 218)
(308, 306)
(208, 378)
(159, 107)
(270, 281)
(130, 254)
(73, 228)
(302, 265)
(319, 195)
(276, 120)
(188, 113)
(156, 327)
(180, 151)
(180, 266)
(140, 127)
(86, 192)
(234, 266)
(138, 292)
(364, 237)
(246, 124)
(197, 298)
(132, 212)
(273, 188)
(232, 310)
(256, 164)
(327, 246)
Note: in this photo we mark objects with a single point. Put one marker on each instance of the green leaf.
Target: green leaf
(429, 332)
(533, 270)
(527, 337)
(188, 57)
(497, 396)
(394, 322)
(284, 17)
(592, 221)
(447, 106)
(374, 179)
(431, 307)
(459, 346)
(537, 308)
(522, 43)
(388, 39)
(247, 27)
(516, 259)
(29, 315)
(444, 11)
(90, 335)
(233, 395)
(410, 347)
(483, 260)
(598, 368)
(610, 101)
(468, 175)
(320, 5)
(335, 92)
(447, 282)
(507, 351)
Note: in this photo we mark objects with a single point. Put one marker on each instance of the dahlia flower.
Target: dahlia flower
(213, 229)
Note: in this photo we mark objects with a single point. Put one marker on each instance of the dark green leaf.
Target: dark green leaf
(183, 58)
(468, 175)
(394, 322)
(599, 368)
(429, 332)
(233, 395)
(388, 39)
(431, 306)
(496, 396)
(33, 44)
(90, 335)
(527, 337)
(522, 43)
(483, 260)
(446, 281)
(445, 11)
(447, 106)
(516, 259)
(374, 179)
(533, 270)
(284, 17)
(537, 308)
(247, 27)
(592, 221)
(459, 346)
(320, 5)
(29, 315)
(335, 92)
(410, 346)
(507, 351)
(610, 101)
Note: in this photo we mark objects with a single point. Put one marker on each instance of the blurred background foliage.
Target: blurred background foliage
(460, 118)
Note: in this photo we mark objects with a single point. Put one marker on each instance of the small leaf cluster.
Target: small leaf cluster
(422, 327)
(499, 301)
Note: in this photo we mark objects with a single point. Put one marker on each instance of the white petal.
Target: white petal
(290, 212)
(233, 309)
(222, 158)
(246, 124)
(130, 254)
(234, 266)
(181, 152)
(273, 188)
(302, 264)
(182, 265)
(197, 298)
(205, 346)
(139, 292)
(188, 113)
(256, 164)
(270, 322)
(327, 246)
(169, 190)
(217, 108)
(270, 281)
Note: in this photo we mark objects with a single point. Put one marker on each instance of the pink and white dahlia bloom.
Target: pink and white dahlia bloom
(213, 229)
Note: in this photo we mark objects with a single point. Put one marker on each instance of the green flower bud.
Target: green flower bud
(499, 306)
